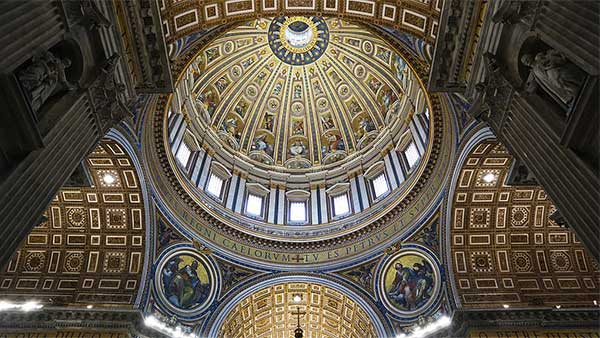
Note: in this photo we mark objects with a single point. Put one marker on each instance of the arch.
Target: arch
(480, 135)
(90, 246)
(119, 136)
(213, 327)
(504, 249)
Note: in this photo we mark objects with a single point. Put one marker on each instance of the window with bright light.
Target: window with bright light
(380, 186)
(412, 154)
(183, 154)
(215, 185)
(298, 212)
(254, 205)
(341, 205)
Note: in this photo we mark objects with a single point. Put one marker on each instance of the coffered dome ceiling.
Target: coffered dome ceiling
(310, 135)
(299, 94)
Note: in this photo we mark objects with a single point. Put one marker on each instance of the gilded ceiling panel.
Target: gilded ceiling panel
(419, 18)
(324, 313)
(506, 250)
(89, 248)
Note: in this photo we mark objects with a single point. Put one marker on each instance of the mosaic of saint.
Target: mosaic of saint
(409, 282)
(185, 281)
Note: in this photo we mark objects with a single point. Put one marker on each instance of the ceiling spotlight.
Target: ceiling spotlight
(558, 306)
(489, 177)
(109, 179)
(506, 306)
(297, 298)
(595, 302)
(90, 306)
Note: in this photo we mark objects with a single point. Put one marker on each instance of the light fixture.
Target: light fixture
(298, 332)
(177, 332)
(595, 302)
(109, 179)
(558, 306)
(419, 332)
(90, 306)
(297, 298)
(25, 307)
(489, 177)
(506, 306)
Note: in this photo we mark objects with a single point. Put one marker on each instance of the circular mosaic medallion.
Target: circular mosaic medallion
(185, 281)
(410, 282)
(298, 40)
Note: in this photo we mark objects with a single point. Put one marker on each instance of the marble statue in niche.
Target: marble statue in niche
(44, 77)
(554, 74)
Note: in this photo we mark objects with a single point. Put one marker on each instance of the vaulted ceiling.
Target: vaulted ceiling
(90, 247)
(322, 312)
(505, 247)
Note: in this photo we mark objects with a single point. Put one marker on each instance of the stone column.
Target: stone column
(85, 117)
(557, 142)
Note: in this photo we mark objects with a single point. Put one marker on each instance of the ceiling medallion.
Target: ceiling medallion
(185, 281)
(410, 282)
(298, 40)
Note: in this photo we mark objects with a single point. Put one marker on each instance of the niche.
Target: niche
(49, 75)
(549, 74)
